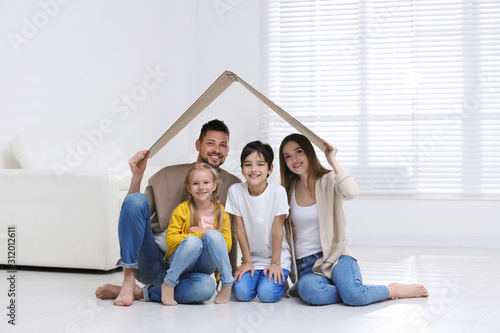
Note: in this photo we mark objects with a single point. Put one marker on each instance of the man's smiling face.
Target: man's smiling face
(213, 148)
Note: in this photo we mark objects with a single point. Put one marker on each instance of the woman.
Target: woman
(327, 273)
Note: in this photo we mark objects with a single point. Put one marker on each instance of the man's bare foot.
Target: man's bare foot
(108, 291)
(111, 291)
(167, 294)
(223, 295)
(399, 290)
(126, 295)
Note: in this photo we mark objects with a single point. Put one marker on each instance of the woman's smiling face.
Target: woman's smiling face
(295, 158)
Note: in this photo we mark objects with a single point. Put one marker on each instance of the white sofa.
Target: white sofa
(63, 217)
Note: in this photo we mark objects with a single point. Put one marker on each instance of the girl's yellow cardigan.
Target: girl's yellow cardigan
(180, 223)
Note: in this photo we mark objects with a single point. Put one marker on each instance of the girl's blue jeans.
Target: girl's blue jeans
(196, 256)
(268, 292)
(345, 286)
(138, 250)
(200, 255)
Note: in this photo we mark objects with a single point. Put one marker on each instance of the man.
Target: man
(144, 219)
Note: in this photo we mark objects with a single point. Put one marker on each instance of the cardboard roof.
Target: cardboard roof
(218, 87)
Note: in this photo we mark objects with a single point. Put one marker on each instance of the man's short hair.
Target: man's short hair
(214, 125)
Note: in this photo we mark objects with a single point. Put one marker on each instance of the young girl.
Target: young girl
(198, 240)
(260, 210)
(327, 273)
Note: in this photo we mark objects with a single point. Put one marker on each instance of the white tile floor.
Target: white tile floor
(463, 286)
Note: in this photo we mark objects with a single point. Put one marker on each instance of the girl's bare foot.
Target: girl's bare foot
(223, 295)
(399, 290)
(167, 294)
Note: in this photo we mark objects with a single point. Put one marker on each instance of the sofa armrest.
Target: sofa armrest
(68, 220)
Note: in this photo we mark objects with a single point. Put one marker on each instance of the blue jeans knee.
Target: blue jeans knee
(315, 289)
(258, 285)
(346, 275)
(191, 244)
(135, 202)
(183, 260)
(242, 291)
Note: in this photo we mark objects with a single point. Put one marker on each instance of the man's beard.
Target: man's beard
(205, 160)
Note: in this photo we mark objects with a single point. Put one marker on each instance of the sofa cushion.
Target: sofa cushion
(64, 153)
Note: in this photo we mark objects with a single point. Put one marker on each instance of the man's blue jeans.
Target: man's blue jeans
(345, 286)
(138, 250)
(192, 288)
(268, 292)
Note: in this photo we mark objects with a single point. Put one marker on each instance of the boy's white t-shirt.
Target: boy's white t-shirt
(258, 215)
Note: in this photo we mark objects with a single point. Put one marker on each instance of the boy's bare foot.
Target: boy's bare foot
(223, 295)
(167, 294)
(399, 290)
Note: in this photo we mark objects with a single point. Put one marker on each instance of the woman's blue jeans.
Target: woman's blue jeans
(200, 257)
(345, 286)
(268, 292)
(138, 250)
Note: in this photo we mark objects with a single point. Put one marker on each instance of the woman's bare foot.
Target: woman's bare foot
(167, 294)
(223, 295)
(400, 290)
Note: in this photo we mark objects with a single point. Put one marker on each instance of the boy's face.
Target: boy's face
(255, 169)
(213, 149)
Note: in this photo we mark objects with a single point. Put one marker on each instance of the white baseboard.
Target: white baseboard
(457, 240)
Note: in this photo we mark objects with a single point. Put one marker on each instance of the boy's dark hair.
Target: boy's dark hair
(262, 149)
(214, 125)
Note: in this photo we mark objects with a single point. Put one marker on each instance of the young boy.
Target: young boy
(260, 210)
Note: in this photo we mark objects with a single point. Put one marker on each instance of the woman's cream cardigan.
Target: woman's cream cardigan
(331, 190)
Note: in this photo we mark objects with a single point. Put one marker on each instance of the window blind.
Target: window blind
(407, 90)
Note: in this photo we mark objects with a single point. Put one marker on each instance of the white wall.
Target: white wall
(69, 73)
(401, 221)
(228, 37)
(67, 65)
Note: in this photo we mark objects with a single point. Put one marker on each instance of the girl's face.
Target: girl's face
(295, 158)
(255, 169)
(201, 185)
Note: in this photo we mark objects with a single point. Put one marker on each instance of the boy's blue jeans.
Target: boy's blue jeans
(268, 292)
(138, 250)
(345, 286)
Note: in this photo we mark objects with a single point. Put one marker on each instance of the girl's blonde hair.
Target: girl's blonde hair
(219, 214)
